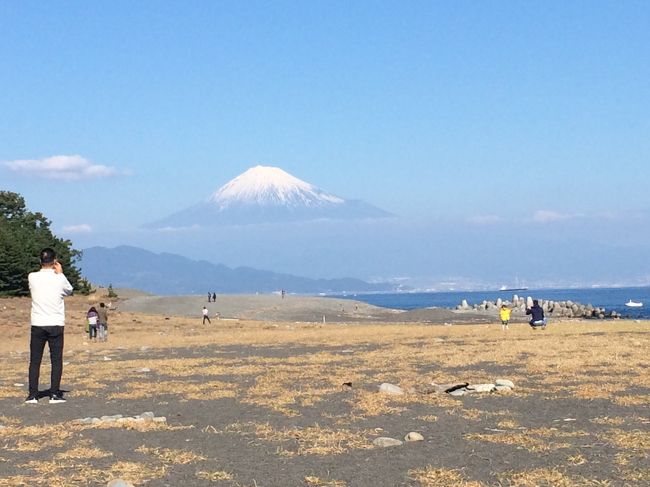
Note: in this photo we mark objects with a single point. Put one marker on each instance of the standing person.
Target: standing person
(209, 297)
(205, 315)
(47, 287)
(214, 297)
(102, 322)
(537, 316)
(504, 314)
(92, 317)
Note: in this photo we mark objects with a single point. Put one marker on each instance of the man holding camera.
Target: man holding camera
(47, 287)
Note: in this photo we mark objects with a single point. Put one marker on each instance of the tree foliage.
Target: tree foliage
(23, 235)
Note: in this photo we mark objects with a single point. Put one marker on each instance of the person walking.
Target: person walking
(504, 314)
(47, 288)
(206, 315)
(102, 322)
(92, 317)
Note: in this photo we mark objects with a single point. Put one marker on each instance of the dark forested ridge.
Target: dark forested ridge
(170, 274)
(23, 234)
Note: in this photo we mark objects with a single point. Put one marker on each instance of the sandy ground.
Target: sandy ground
(280, 403)
(272, 307)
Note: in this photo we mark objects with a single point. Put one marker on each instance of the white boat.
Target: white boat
(506, 288)
(633, 304)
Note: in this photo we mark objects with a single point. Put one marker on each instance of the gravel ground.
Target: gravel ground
(272, 307)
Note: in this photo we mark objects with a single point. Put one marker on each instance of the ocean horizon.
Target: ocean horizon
(612, 299)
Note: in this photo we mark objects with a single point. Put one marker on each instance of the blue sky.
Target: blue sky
(486, 114)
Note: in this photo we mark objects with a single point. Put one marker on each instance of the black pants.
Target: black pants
(206, 318)
(53, 335)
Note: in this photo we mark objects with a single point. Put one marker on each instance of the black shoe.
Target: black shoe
(31, 399)
(56, 398)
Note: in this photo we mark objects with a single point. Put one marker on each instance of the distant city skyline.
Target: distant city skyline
(500, 126)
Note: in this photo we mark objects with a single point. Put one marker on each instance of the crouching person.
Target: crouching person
(537, 319)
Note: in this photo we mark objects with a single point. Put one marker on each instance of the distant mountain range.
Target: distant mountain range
(268, 195)
(170, 274)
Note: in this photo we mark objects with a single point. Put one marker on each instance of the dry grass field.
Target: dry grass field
(264, 404)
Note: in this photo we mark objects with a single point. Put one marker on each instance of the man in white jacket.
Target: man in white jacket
(48, 287)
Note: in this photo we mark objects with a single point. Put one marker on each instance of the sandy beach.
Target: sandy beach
(283, 403)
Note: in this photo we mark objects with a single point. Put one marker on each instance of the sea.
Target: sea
(612, 299)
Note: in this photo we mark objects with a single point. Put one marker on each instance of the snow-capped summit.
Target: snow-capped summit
(271, 186)
(266, 194)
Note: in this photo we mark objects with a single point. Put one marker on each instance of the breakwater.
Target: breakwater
(557, 309)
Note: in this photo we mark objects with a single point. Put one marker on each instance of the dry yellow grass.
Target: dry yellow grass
(533, 440)
(313, 440)
(550, 477)
(171, 456)
(629, 440)
(441, 477)
(318, 482)
(291, 370)
(83, 450)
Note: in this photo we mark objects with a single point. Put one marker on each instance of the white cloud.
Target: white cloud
(547, 216)
(485, 219)
(69, 168)
(82, 228)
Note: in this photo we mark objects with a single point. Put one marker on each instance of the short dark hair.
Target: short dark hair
(47, 256)
(101, 305)
(535, 302)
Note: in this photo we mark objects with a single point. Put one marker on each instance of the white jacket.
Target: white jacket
(48, 290)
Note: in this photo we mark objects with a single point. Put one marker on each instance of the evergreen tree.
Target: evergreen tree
(23, 235)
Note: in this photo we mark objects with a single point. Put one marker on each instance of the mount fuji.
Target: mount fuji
(266, 194)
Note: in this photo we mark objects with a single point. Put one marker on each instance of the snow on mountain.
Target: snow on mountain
(271, 186)
(265, 194)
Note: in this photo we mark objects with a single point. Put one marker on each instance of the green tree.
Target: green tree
(23, 235)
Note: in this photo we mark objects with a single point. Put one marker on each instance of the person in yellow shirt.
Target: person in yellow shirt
(504, 314)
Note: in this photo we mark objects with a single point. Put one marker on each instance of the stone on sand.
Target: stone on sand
(119, 483)
(481, 387)
(459, 392)
(414, 436)
(384, 442)
(387, 388)
(505, 382)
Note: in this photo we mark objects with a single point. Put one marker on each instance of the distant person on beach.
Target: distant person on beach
(47, 287)
(102, 327)
(504, 314)
(214, 297)
(206, 315)
(283, 293)
(92, 318)
(209, 297)
(537, 316)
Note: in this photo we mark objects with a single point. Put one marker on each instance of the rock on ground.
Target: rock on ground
(384, 441)
(387, 388)
(119, 483)
(414, 436)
